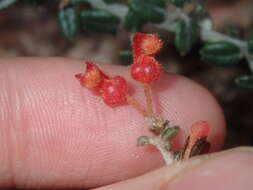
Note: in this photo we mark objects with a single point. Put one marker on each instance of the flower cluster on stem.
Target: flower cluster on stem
(145, 69)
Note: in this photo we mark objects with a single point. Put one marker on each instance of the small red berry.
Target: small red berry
(146, 69)
(147, 44)
(114, 91)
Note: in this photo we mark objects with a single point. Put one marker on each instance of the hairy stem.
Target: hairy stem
(132, 101)
(159, 144)
(149, 102)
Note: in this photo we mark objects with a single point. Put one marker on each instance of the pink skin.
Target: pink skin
(227, 170)
(54, 133)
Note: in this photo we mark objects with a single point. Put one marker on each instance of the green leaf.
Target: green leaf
(250, 43)
(245, 82)
(99, 21)
(220, 53)
(232, 31)
(186, 35)
(78, 1)
(201, 15)
(200, 10)
(69, 21)
(126, 57)
(132, 21)
(110, 1)
(143, 141)
(148, 10)
(178, 3)
(170, 133)
(6, 3)
(33, 2)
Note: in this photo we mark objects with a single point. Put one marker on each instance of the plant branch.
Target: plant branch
(207, 33)
(149, 102)
(159, 144)
(132, 101)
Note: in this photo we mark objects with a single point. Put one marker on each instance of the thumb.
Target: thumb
(230, 169)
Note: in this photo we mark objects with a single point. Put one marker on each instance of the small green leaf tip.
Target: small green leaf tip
(170, 133)
(143, 141)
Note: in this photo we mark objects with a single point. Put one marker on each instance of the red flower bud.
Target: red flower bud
(199, 130)
(114, 91)
(92, 78)
(147, 44)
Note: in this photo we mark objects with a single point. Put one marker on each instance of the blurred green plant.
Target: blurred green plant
(6, 3)
(107, 16)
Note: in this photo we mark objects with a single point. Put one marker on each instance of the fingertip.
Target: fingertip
(73, 139)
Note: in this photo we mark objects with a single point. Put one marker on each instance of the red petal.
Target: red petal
(147, 44)
(200, 129)
(92, 77)
(136, 45)
(151, 44)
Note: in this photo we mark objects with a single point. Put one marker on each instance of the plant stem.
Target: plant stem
(207, 34)
(132, 101)
(159, 144)
(149, 102)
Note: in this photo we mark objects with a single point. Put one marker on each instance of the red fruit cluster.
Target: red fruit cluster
(112, 90)
(145, 68)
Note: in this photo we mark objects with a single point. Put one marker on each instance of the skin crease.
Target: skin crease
(227, 170)
(55, 134)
